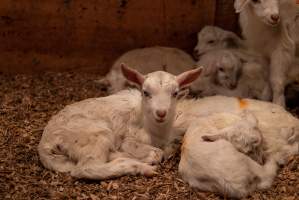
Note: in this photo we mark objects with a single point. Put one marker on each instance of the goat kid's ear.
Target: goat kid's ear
(186, 78)
(240, 5)
(132, 75)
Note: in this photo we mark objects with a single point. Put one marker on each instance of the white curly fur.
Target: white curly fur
(219, 165)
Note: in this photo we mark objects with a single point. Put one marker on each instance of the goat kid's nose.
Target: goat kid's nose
(275, 17)
(161, 113)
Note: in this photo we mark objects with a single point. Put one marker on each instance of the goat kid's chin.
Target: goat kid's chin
(198, 54)
(270, 22)
(160, 120)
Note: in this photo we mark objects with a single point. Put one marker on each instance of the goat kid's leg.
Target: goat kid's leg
(94, 169)
(278, 80)
(281, 60)
(174, 143)
(144, 152)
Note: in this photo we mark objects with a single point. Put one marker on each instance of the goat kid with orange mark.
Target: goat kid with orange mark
(229, 139)
(276, 124)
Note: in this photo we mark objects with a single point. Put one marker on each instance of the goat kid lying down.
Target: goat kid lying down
(231, 73)
(255, 66)
(121, 134)
(278, 127)
(212, 38)
(213, 155)
(147, 60)
(215, 38)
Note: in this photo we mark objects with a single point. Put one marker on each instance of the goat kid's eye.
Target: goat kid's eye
(221, 69)
(175, 94)
(146, 94)
(256, 1)
(211, 41)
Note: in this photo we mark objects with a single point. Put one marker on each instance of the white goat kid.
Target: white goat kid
(147, 60)
(272, 19)
(102, 138)
(229, 73)
(222, 66)
(276, 124)
(213, 38)
(221, 166)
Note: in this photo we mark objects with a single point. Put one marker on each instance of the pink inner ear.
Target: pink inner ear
(132, 75)
(188, 77)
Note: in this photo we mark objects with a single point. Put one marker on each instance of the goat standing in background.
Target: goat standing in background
(266, 28)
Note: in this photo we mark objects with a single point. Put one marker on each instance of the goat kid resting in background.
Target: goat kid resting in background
(254, 79)
(265, 27)
(215, 38)
(121, 134)
(229, 73)
(147, 60)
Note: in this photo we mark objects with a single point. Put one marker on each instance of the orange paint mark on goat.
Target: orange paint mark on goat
(242, 103)
(297, 1)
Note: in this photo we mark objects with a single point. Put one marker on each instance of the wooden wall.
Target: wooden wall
(87, 35)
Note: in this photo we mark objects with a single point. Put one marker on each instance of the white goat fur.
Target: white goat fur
(273, 119)
(218, 166)
(102, 138)
(232, 73)
(205, 165)
(147, 60)
(277, 42)
(213, 38)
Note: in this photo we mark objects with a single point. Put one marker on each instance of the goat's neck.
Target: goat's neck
(159, 133)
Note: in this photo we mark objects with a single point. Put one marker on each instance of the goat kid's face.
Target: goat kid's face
(160, 91)
(159, 95)
(212, 38)
(249, 139)
(228, 71)
(266, 10)
(207, 39)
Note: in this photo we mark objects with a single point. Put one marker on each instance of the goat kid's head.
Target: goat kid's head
(250, 138)
(228, 70)
(212, 38)
(222, 67)
(160, 91)
(266, 10)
